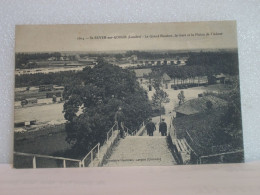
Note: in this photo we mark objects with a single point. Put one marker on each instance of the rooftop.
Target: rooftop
(198, 105)
(141, 72)
(166, 77)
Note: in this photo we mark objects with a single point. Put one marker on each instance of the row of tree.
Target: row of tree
(200, 65)
(219, 62)
(57, 78)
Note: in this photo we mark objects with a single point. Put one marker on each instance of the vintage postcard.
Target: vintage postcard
(107, 95)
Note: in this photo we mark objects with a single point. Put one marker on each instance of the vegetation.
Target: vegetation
(159, 98)
(202, 64)
(57, 78)
(93, 98)
(231, 121)
(228, 128)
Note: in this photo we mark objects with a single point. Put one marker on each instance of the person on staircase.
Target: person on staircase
(163, 128)
(150, 127)
(119, 118)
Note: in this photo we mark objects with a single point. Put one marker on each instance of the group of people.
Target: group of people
(150, 128)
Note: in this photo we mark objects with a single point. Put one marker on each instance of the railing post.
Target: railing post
(64, 163)
(112, 133)
(34, 162)
(82, 163)
(98, 149)
(92, 158)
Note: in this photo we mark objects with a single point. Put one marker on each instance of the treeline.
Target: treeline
(218, 62)
(200, 65)
(187, 73)
(24, 58)
(58, 78)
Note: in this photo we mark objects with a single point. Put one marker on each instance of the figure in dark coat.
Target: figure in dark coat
(119, 118)
(163, 128)
(150, 127)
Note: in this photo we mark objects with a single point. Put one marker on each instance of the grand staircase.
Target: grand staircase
(141, 151)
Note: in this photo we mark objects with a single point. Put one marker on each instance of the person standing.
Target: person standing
(150, 127)
(119, 118)
(163, 128)
(181, 97)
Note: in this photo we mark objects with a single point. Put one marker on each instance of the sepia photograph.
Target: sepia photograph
(113, 95)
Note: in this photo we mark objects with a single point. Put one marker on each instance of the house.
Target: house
(140, 73)
(198, 125)
(203, 136)
(199, 105)
(197, 129)
(166, 79)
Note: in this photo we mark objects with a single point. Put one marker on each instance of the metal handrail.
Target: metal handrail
(91, 155)
(131, 132)
(127, 130)
(140, 127)
(134, 132)
(193, 140)
(219, 154)
(46, 156)
(111, 130)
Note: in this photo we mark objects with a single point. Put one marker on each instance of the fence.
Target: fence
(133, 132)
(41, 161)
(88, 160)
(26, 160)
(229, 157)
(111, 131)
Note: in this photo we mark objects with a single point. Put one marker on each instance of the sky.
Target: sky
(116, 37)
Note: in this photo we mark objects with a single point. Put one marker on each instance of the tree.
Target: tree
(98, 92)
(158, 98)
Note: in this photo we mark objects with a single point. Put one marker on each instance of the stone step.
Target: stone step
(141, 150)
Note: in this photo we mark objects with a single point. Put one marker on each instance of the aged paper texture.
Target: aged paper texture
(127, 95)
